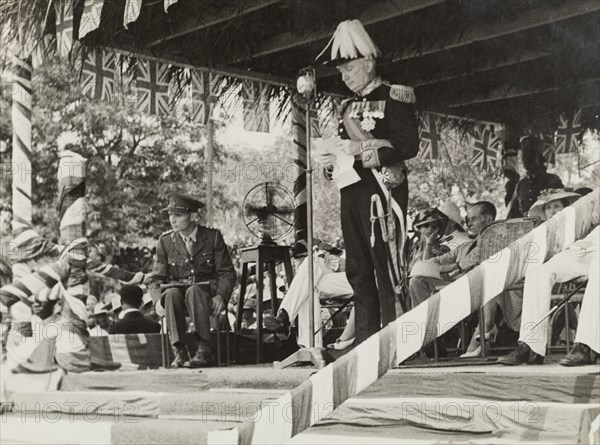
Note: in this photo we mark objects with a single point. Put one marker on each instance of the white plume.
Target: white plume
(351, 41)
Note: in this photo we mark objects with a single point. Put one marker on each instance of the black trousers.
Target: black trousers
(366, 266)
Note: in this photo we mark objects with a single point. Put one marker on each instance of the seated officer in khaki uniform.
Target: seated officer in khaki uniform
(196, 273)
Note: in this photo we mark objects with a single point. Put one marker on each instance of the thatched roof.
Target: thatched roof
(498, 60)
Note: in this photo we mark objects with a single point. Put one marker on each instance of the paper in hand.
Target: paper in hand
(343, 173)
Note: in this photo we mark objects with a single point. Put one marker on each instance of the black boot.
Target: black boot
(580, 355)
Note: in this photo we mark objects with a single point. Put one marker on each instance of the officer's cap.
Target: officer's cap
(182, 203)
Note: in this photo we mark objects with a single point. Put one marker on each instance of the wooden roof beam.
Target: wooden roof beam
(590, 87)
(499, 28)
(516, 59)
(185, 62)
(521, 57)
(374, 14)
(193, 23)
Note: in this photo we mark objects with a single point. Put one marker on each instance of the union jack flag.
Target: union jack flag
(205, 91)
(569, 127)
(256, 106)
(64, 27)
(486, 148)
(549, 148)
(429, 137)
(98, 75)
(152, 87)
(90, 19)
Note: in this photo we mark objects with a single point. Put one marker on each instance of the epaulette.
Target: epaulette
(402, 93)
(167, 232)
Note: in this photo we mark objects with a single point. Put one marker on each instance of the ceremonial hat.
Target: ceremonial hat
(350, 41)
(182, 203)
(549, 195)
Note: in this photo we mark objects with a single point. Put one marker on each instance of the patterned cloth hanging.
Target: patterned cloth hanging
(98, 75)
(21, 154)
(204, 88)
(152, 87)
(90, 19)
(486, 148)
(256, 106)
(64, 27)
(568, 130)
(132, 11)
(429, 136)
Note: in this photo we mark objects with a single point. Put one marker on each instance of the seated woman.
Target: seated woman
(552, 201)
(429, 226)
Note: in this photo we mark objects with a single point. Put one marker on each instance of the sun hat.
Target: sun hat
(549, 195)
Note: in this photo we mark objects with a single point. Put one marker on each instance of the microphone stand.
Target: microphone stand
(311, 354)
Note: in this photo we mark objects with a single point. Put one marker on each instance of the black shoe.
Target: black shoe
(522, 354)
(580, 355)
(281, 323)
(203, 359)
(181, 356)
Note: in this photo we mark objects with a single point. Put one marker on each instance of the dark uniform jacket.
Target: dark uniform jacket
(528, 190)
(209, 261)
(134, 323)
(391, 111)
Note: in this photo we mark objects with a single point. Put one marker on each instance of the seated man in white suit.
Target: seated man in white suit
(330, 281)
(573, 262)
(587, 341)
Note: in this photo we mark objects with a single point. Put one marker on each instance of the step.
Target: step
(227, 404)
(58, 428)
(453, 420)
(188, 380)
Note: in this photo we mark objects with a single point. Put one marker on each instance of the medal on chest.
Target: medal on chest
(367, 113)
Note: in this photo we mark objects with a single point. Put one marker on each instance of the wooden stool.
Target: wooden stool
(266, 257)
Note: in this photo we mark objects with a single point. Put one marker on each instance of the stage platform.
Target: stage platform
(483, 403)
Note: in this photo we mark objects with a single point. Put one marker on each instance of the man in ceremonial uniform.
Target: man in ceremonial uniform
(378, 126)
(194, 270)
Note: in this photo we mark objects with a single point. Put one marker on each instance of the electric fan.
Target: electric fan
(268, 212)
